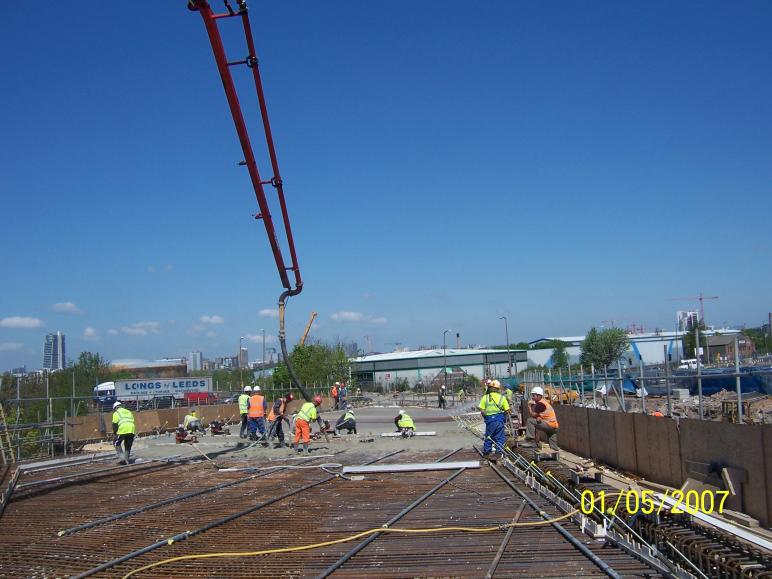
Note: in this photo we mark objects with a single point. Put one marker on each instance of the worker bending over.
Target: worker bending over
(192, 423)
(404, 424)
(244, 409)
(308, 413)
(348, 421)
(494, 409)
(542, 418)
(276, 417)
(256, 411)
(124, 430)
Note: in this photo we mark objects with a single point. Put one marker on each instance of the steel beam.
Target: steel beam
(420, 466)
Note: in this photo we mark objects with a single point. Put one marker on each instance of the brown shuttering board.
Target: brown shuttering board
(573, 433)
(603, 440)
(624, 427)
(658, 450)
(735, 445)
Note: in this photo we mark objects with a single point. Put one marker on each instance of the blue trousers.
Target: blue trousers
(257, 424)
(494, 428)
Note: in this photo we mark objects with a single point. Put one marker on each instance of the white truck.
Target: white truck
(140, 391)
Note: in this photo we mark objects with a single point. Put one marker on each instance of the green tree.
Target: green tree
(688, 341)
(760, 339)
(602, 347)
(559, 355)
(314, 363)
(517, 346)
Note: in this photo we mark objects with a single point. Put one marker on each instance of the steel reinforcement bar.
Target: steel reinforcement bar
(187, 534)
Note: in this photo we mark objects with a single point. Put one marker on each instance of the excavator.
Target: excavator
(308, 328)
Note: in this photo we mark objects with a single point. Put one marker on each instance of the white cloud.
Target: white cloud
(150, 269)
(347, 316)
(258, 338)
(358, 317)
(168, 267)
(90, 334)
(112, 332)
(211, 334)
(142, 328)
(21, 322)
(10, 346)
(367, 296)
(66, 308)
(269, 313)
(212, 319)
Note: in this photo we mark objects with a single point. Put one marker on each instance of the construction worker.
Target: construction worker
(243, 409)
(192, 422)
(342, 395)
(257, 408)
(348, 421)
(542, 418)
(461, 395)
(494, 409)
(276, 417)
(124, 430)
(308, 413)
(441, 397)
(334, 394)
(404, 423)
(658, 413)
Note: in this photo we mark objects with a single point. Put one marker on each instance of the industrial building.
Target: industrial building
(423, 366)
(649, 348)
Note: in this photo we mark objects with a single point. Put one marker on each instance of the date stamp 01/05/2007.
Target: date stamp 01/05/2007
(645, 502)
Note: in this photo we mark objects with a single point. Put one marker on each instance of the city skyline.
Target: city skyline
(561, 165)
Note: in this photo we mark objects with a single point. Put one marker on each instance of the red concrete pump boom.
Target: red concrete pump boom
(223, 66)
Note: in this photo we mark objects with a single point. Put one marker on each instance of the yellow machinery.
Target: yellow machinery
(308, 328)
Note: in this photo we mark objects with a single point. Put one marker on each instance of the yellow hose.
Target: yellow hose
(383, 529)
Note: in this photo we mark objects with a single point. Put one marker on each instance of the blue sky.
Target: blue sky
(445, 163)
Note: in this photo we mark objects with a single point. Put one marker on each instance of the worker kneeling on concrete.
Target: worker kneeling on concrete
(542, 418)
(192, 423)
(308, 413)
(348, 421)
(404, 424)
(124, 430)
(494, 409)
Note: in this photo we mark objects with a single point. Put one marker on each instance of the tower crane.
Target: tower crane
(700, 298)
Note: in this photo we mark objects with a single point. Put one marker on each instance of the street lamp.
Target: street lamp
(262, 366)
(509, 354)
(444, 358)
(241, 372)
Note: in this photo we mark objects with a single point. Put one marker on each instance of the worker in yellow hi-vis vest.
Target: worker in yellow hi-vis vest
(124, 431)
(494, 409)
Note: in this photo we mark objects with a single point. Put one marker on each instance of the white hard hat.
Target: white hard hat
(247, 389)
(337, 383)
(495, 384)
(256, 389)
(116, 405)
(538, 390)
(401, 411)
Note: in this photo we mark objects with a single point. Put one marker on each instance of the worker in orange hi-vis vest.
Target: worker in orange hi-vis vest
(276, 417)
(256, 411)
(542, 418)
(334, 394)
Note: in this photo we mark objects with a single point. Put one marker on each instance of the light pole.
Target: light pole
(241, 372)
(444, 358)
(509, 354)
(262, 366)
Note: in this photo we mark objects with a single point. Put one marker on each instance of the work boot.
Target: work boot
(305, 448)
(126, 456)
